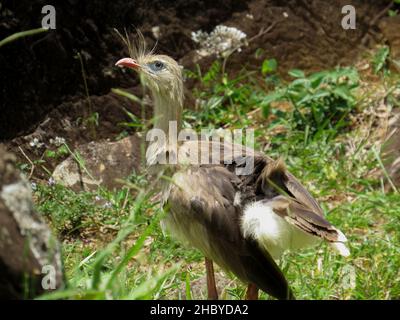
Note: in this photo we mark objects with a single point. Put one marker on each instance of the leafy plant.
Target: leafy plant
(380, 59)
(67, 212)
(320, 101)
(61, 151)
(221, 101)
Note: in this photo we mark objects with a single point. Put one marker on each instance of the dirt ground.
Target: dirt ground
(42, 88)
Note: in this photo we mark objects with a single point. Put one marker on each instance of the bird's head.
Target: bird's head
(160, 73)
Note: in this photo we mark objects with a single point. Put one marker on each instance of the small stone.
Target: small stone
(105, 162)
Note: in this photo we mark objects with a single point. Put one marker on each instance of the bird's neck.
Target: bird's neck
(168, 117)
(167, 108)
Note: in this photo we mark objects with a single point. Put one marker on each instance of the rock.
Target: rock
(30, 259)
(104, 163)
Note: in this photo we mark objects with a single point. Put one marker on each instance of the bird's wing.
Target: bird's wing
(304, 218)
(294, 203)
(301, 194)
(269, 179)
(204, 211)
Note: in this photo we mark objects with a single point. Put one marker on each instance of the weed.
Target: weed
(380, 59)
(321, 101)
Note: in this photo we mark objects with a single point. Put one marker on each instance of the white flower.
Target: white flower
(34, 186)
(107, 205)
(51, 182)
(58, 141)
(199, 36)
(220, 41)
(35, 143)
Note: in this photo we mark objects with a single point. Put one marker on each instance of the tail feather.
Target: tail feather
(340, 248)
(340, 244)
(265, 273)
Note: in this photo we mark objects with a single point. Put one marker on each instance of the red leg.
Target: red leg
(252, 292)
(211, 287)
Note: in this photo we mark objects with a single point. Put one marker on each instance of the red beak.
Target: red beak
(127, 62)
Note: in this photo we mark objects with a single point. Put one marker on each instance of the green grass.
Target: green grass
(118, 251)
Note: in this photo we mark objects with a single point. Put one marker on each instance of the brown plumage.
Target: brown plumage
(242, 222)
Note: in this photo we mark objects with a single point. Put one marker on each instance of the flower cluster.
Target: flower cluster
(58, 141)
(221, 41)
(35, 143)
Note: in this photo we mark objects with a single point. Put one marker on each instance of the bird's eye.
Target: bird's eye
(156, 66)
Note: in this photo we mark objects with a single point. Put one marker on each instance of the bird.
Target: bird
(243, 222)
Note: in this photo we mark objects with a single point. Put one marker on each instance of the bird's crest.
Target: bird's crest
(137, 48)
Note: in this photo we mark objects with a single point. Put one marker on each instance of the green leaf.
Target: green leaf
(380, 58)
(259, 52)
(22, 34)
(266, 110)
(62, 150)
(135, 121)
(126, 94)
(50, 154)
(300, 84)
(145, 289)
(317, 78)
(188, 290)
(344, 92)
(266, 102)
(318, 95)
(212, 73)
(321, 94)
(269, 66)
(296, 73)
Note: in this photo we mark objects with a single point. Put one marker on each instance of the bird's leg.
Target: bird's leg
(211, 287)
(252, 292)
